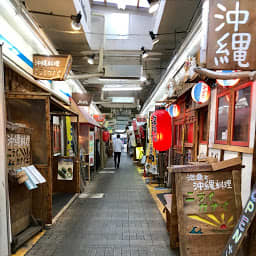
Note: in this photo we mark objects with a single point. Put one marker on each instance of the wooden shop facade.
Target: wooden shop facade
(41, 119)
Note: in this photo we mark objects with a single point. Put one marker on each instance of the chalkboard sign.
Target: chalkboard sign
(242, 226)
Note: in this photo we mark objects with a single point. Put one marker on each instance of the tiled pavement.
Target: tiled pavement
(126, 222)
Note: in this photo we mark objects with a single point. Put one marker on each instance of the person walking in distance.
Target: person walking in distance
(117, 151)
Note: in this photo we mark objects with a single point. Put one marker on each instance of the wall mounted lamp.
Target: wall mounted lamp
(154, 37)
(75, 19)
(154, 5)
(144, 53)
(91, 59)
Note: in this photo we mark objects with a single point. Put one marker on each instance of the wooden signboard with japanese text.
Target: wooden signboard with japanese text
(208, 206)
(231, 37)
(242, 226)
(55, 67)
(99, 118)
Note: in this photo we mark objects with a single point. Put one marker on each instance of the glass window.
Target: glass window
(222, 118)
(242, 114)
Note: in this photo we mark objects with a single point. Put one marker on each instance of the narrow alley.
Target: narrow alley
(125, 221)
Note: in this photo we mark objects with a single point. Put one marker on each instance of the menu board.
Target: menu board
(19, 153)
(208, 206)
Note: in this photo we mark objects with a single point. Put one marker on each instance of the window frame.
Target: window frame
(241, 143)
(202, 124)
(231, 114)
(222, 94)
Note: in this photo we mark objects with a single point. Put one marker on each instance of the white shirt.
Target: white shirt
(117, 145)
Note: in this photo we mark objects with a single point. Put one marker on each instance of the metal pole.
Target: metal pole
(4, 198)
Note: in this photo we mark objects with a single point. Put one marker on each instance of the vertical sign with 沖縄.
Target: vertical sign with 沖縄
(231, 37)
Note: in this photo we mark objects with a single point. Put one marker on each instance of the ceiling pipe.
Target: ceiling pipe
(84, 76)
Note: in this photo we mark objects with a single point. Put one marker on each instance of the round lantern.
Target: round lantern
(174, 110)
(228, 83)
(201, 92)
(105, 136)
(161, 130)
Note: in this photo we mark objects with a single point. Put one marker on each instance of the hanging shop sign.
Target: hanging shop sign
(161, 130)
(65, 169)
(151, 163)
(242, 226)
(91, 148)
(201, 92)
(99, 118)
(228, 83)
(174, 110)
(55, 67)
(231, 35)
(82, 99)
(141, 119)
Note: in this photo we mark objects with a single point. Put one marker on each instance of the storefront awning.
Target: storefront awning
(84, 116)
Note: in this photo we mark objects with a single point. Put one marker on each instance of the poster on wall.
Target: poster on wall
(91, 148)
(65, 169)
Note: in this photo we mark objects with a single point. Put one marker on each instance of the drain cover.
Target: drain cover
(88, 195)
(110, 172)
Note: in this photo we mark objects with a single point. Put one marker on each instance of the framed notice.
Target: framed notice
(65, 169)
(91, 148)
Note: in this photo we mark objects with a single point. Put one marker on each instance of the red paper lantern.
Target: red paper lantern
(161, 130)
(105, 136)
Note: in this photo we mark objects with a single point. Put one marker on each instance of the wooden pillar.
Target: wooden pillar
(4, 199)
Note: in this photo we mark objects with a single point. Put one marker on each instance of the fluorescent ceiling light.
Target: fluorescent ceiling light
(116, 89)
(119, 80)
(121, 4)
(154, 7)
(122, 99)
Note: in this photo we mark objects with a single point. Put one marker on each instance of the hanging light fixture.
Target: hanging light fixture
(121, 4)
(201, 92)
(155, 39)
(154, 5)
(76, 21)
(144, 53)
(90, 60)
(161, 130)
